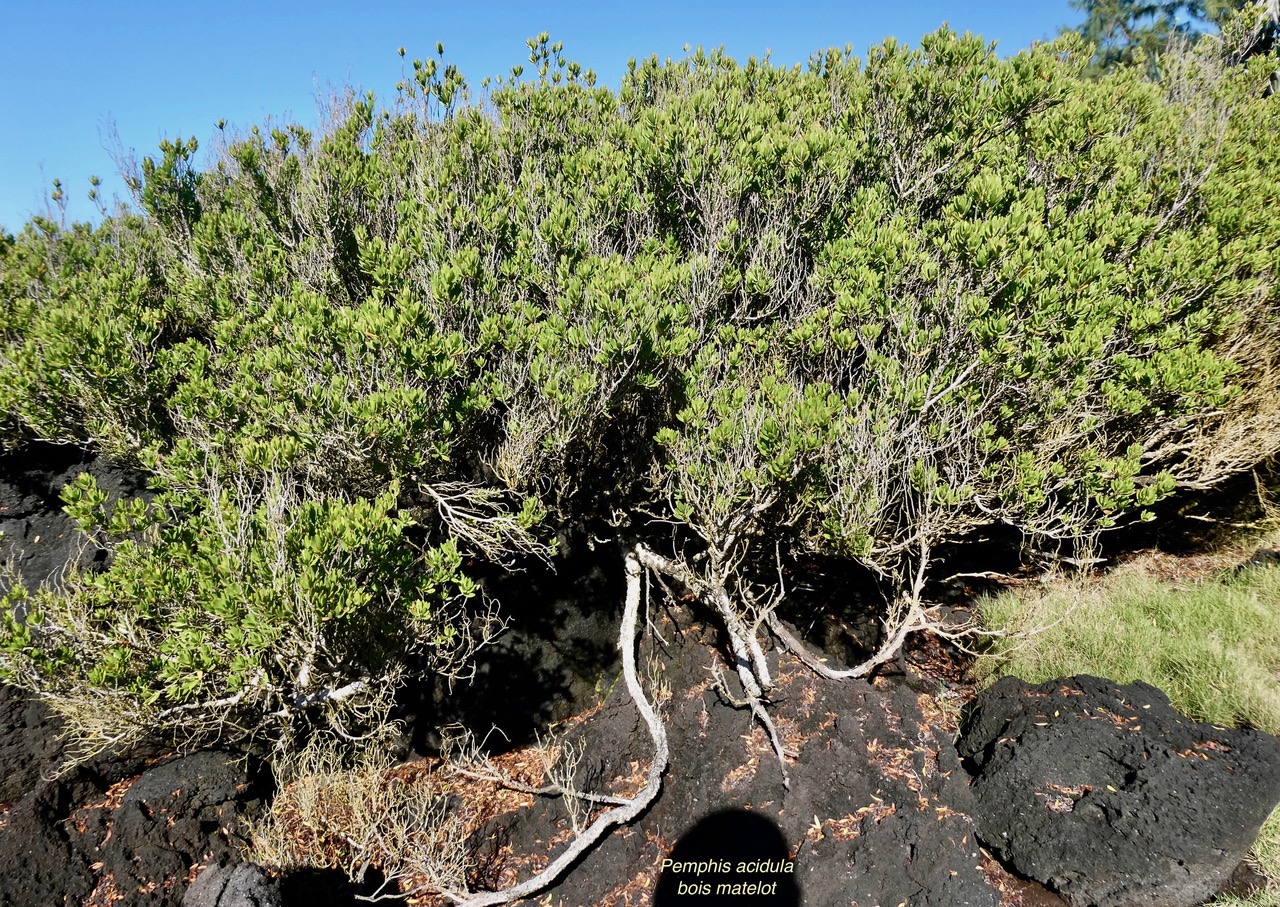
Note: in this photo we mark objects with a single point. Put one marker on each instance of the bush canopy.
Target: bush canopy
(729, 314)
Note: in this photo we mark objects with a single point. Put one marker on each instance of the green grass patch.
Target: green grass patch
(1213, 647)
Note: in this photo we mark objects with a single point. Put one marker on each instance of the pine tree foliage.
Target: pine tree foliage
(1131, 31)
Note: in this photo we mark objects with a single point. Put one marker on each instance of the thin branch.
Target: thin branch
(619, 815)
(549, 790)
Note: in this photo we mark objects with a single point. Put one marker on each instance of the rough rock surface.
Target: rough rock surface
(878, 810)
(175, 816)
(135, 840)
(44, 858)
(1107, 795)
(233, 885)
(29, 742)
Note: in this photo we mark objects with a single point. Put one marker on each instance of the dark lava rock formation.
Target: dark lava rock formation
(1107, 795)
(233, 885)
(1264, 557)
(179, 815)
(105, 836)
(878, 810)
(30, 742)
(38, 541)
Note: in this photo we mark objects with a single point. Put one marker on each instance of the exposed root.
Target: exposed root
(762, 715)
(619, 815)
(748, 657)
(797, 648)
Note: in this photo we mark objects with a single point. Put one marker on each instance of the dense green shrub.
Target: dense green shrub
(857, 309)
(247, 596)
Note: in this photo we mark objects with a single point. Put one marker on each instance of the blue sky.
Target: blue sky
(75, 73)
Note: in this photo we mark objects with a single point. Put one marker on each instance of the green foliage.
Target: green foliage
(858, 308)
(83, 328)
(168, 187)
(251, 599)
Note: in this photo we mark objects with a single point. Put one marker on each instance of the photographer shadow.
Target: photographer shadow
(721, 857)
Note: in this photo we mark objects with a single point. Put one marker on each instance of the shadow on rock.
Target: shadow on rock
(558, 655)
(332, 888)
(725, 858)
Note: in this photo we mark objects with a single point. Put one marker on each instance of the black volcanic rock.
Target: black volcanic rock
(38, 541)
(1106, 794)
(30, 742)
(75, 835)
(878, 810)
(177, 815)
(1264, 557)
(44, 858)
(233, 885)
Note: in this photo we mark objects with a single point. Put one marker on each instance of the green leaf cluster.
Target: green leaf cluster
(257, 596)
(860, 307)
